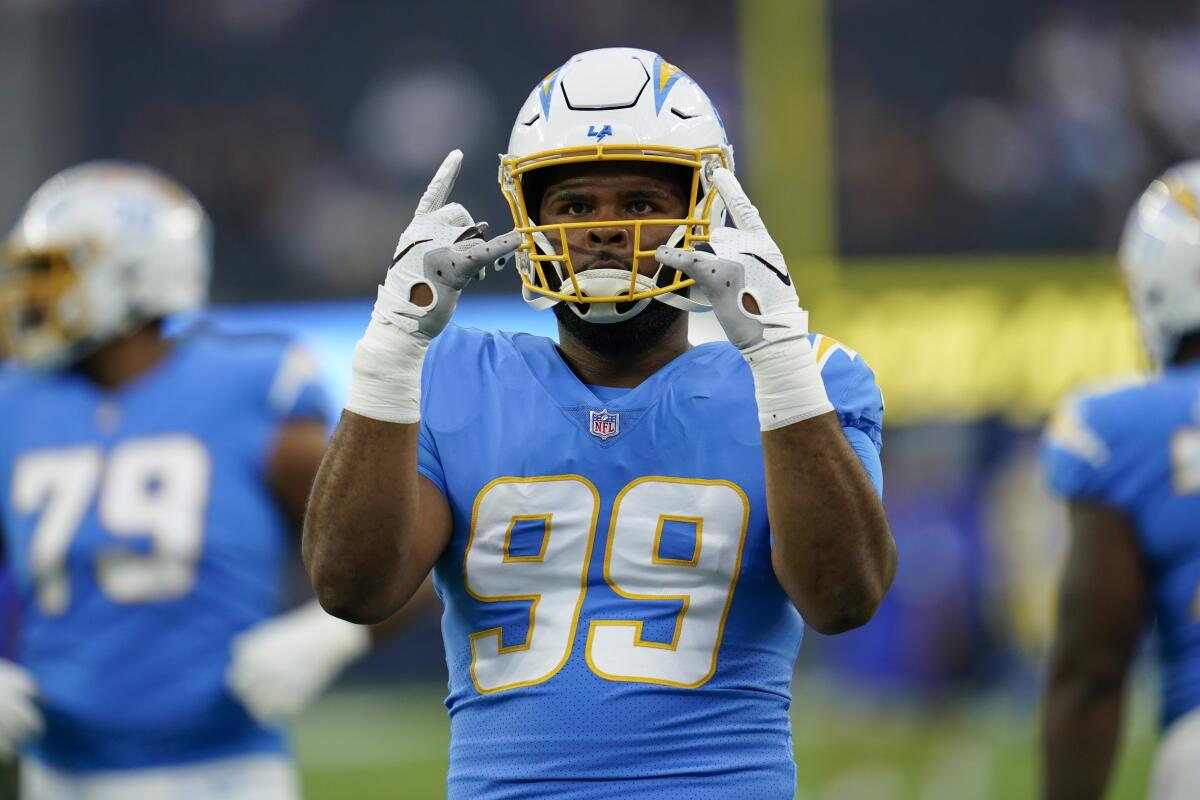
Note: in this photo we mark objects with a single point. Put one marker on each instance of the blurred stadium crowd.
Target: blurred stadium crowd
(307, 131)
(1026, 126)
(1021, 126)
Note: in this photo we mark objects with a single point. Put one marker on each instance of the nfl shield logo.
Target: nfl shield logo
(603, 424)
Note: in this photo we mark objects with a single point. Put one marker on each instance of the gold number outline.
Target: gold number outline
(638, 625)
(533, 598)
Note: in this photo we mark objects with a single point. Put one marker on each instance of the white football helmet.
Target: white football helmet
(100, 248)
(1160, 259)
(615, 104)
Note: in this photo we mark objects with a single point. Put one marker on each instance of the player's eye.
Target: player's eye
(576, 209)
(638, 207)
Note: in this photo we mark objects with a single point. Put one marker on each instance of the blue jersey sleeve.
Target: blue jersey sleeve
(10, 605)
(274, 378)
(868, 454)
(1076, 453)
(850, 384)
(11, 389)
(296, 390)
(429, 462)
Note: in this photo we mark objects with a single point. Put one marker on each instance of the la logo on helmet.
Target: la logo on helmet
(599, 134)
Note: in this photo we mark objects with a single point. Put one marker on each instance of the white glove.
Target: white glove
(442, 248)
(281, 665)
(741, 264)
(20, 717)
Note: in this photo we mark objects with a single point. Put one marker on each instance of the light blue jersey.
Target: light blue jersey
(143, 538)
(613, 625)
(1137, 449)
(9, 613)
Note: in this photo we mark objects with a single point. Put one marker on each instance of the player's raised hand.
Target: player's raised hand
(20, 717)
(436, 257)
(743, 273)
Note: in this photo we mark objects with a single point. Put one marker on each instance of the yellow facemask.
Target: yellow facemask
(38, 321)
(536, 251)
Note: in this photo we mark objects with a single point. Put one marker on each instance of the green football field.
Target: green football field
(390, 743)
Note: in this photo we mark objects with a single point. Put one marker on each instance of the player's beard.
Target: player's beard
(619, 338)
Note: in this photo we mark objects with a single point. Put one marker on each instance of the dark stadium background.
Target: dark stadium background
(948, 181)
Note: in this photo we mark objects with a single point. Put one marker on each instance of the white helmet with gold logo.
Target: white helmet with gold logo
(1160, 259)
(100, 249)
(615, 104)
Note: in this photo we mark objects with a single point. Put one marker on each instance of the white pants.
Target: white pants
(257, 777)
(1176, 774)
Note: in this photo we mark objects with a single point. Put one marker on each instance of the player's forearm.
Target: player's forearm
(832, 549)
(1080, 729)
(361, 519)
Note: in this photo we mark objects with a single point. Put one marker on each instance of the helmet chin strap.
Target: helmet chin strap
(611, 281)
(697, 302)
(607, 283)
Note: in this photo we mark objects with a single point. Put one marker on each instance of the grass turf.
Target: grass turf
(384, 744)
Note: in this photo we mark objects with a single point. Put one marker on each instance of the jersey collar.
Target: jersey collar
(557, 378)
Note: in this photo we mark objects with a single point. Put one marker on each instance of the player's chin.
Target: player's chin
(644, 329)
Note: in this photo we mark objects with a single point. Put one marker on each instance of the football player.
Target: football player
(628, 532)
(149, 485)
(1127, 462)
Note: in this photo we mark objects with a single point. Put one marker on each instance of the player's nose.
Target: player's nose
(608, 237)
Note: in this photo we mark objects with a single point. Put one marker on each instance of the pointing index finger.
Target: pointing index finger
(689, 262)
(485, 253)
(745, 216)
(442, 184)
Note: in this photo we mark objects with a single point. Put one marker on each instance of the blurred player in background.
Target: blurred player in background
(150, 486)
(1127, 462)
(621, 618)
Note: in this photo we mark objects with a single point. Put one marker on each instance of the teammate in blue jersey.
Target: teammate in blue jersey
(628, 533)
(1127, 463)
(149, 486)
(9, 612)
